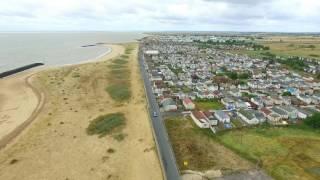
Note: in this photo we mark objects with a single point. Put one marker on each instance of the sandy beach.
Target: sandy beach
(53, 108)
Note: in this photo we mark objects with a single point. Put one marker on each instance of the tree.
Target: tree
(220, 80)
(286, 93)
(244, 76)
(232, 75)
(313, 121)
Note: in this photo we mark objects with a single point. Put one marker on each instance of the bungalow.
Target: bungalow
(229, 103)
(258, 101)
(212, 120)
(302, 114)
(188, 104)
(267, 101)
(200, 119)
(251, 116)
(266, 112)
(235, 93)
(169, 104)
(274, 118)
(248, 116)
(241, 104)
(291, 111)
(305, 99)
(280, 112)
(222, 116)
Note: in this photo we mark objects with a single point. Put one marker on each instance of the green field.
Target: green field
(285, 153)
(204, 105)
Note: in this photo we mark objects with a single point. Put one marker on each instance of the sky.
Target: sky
(160, 15)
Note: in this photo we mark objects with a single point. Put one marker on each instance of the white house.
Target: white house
(248, 116)
(168, 104)
(222, 116)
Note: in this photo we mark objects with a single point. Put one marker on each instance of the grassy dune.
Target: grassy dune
(119, 73)
(104, 125)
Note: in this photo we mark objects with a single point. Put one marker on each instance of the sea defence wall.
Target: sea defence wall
(20, 69)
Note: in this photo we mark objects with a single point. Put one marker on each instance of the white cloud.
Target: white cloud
(126, 15)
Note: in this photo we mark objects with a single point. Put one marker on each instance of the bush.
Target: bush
(119, 92)
(104, 125)
(313, 121)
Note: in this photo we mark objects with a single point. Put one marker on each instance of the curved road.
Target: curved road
(165, 151)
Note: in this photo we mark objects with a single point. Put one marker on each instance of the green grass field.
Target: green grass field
(285, 153)
(208, 105)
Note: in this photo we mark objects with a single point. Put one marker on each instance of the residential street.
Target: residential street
(165, 151)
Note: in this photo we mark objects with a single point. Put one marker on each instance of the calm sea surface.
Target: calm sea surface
(56, 48)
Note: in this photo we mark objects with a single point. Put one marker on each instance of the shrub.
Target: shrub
(104, 125)
(119, 92)
(313, 121)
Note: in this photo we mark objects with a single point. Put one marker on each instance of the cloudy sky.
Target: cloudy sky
(160, 15)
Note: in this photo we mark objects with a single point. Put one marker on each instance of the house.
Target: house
(222, 116)
(291, 111)
(280, 112)
(248, 116)
(200, 119)
(266, 112)
(274, 118)
(303, 114)
(212, 120)
(305, 99)
(188, 104)
(241, 104)
(257, 101)
(169, 104)
(229, 103)
(251, 116)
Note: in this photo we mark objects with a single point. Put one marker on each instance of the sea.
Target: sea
(56, 48)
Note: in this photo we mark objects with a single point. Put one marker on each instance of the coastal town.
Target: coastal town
(222, 90)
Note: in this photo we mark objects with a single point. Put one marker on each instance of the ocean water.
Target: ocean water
(56, 48)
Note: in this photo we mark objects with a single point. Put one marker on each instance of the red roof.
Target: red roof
(199, 115)
(265, 111)
(208, 113)
(187, 101)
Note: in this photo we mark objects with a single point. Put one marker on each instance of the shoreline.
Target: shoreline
(56, 141)
(25, 78)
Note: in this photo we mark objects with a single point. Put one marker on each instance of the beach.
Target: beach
(47, 112)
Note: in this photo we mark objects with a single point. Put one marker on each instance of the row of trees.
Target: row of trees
(233, 42)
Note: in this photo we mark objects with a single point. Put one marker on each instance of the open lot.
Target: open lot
(304, 46)
(204, 105)
(285, 153)
(200, 150)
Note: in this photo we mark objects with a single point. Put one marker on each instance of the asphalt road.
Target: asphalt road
(165, 151)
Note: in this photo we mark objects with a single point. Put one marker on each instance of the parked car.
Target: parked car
(155, 114)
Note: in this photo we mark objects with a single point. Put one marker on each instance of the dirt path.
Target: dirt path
(56, 146)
